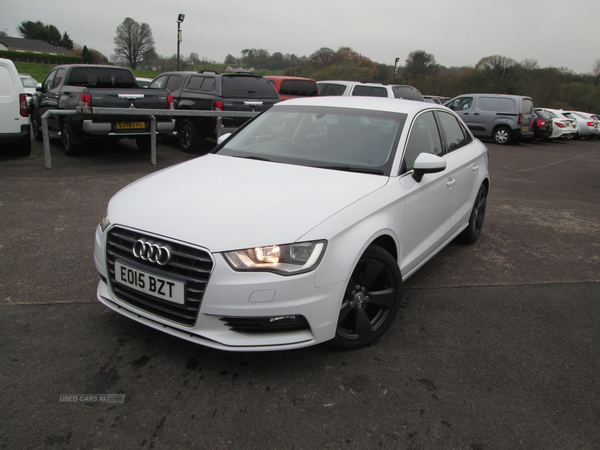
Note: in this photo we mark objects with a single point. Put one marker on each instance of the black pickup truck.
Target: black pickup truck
(70, 86)
(208, 90)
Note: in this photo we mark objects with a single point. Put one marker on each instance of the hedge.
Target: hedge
(40, 58)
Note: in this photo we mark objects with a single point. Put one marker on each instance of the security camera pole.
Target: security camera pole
(179, 20)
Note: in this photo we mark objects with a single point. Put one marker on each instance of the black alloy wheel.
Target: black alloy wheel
(371, 301)
(473, 230)
(66, 136)
(36, 126)
(187, 137)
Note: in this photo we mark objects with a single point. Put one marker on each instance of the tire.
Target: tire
(36, 126)
(144, 144)
(371, 301)
(187, 137)
(470, 234)
(67, 139)
(502, 136)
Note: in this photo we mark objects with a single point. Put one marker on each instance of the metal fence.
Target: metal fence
(150, 114)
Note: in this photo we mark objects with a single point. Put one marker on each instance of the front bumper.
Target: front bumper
(233, 295)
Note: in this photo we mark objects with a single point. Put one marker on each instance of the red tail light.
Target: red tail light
(171, 102)
(218, 106)
(541, 123)
(590, 124)
(559, 125)
(23, 105)
(520, 118)
(86, 100)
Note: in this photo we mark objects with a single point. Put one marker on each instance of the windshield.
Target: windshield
(336, 138)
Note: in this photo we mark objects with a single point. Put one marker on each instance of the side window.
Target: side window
(362, 90)
(455, 135)
(174, 82)
(208, 85)
(49, 80)
(194, 83)
(159, 83)
(60, 74)
(461, 103)
(424, 138)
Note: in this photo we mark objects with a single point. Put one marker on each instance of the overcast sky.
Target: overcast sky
(556, 33)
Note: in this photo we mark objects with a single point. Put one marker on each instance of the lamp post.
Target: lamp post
(395, 63)
(179, 20)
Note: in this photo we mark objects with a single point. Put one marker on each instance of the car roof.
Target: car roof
(371, 103)
(284, 77)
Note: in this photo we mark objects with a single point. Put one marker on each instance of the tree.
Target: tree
(134, 41)
(66, 42)
(86, 55)
(46, 33)
(419, 64)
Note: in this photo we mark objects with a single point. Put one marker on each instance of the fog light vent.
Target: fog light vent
(266, 324)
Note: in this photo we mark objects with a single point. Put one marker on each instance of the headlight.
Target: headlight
(288, 259)
(105, 222)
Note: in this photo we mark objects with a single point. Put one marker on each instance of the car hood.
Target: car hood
(226, 203)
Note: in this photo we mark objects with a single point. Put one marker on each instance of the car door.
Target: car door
(426, 224)
(483, 115)
(463, 164)
(49, 96)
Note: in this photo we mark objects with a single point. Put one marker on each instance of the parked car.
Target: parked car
(85, 88)
(563, 127)
(436, 99)
(29, 84)
(367, 89)
(319, 209)
(504, 118)
(587, 127)
(208, 90)
(542, 125)
(14, 116)
(143, 82)
(293, 87)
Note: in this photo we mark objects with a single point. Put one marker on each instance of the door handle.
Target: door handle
(475, 168)
(476, 114)
(451, 183)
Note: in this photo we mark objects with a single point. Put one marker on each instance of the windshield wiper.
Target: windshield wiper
(354, 169)
(258, 158)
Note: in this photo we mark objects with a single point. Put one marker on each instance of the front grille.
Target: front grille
(188, 264)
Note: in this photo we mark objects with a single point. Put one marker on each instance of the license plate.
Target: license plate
(156, 286)
(525, 128)
(130, 125)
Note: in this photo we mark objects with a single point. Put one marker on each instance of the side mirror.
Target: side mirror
(427, 163)
(223, 138)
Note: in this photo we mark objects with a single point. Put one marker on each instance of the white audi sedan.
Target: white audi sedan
(298, 229)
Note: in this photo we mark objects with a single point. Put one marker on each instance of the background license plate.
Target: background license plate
(130, 125)
(156, 286)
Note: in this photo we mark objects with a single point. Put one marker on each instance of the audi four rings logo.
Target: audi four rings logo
(152, 252)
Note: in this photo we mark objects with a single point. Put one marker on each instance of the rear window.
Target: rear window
(407, 92)
(543, 115)
(331, 89)
(299, 88)
(248, 87)
(101, 77)
(527, 106)
(369, 91)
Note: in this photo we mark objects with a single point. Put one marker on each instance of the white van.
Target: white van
(504, 118)
(14, 117)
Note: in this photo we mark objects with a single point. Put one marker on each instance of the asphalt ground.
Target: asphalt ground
(496, 347)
